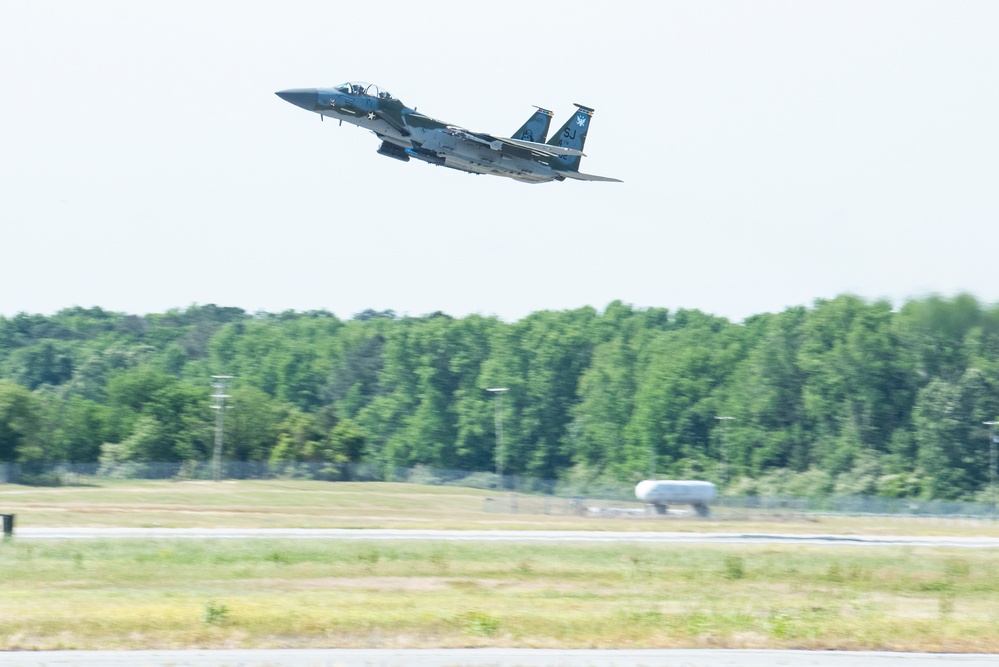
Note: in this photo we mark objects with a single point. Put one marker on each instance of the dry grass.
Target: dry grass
(262, 593)
(305, 504)
(177, 594)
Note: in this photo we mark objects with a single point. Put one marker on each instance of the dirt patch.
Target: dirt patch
(400, 584)
(407, 584)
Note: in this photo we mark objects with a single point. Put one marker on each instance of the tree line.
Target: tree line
(847, 396)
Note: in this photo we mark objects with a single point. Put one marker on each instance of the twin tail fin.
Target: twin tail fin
(572, 135)
(536, 127)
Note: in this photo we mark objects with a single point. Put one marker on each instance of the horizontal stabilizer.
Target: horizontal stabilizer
(588, 177)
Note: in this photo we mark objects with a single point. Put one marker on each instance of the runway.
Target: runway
(489, 658)
(519, 536)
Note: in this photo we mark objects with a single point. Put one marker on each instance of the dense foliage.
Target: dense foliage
(848, 396)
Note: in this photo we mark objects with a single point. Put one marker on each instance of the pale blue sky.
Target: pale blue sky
(772, 153)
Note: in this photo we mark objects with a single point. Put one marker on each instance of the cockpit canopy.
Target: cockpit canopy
(362, 88)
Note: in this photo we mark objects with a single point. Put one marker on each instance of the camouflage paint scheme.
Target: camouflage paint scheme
(528, 156)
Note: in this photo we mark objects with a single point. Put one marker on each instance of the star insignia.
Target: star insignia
(371, 115)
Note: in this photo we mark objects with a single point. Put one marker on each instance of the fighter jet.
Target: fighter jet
(528, 156)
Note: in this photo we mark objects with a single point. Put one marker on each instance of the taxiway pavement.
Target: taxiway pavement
(519, 536)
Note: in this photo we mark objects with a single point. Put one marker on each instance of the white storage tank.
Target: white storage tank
(664, 492)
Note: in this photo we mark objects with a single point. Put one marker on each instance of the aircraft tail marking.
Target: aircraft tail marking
(572, 135)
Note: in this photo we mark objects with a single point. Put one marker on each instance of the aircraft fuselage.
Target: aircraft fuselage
(407, 134)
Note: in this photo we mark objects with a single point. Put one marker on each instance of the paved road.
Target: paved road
(523, 536)
(490, 658)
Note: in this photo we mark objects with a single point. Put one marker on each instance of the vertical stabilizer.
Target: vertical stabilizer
(572, 135)
(536, 127)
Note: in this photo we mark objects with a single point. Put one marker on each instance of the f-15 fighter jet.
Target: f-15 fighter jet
(528, 156)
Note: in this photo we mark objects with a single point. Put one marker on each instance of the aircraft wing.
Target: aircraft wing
(588, 177)
(543, 149)
(399, 127)
(496, 143)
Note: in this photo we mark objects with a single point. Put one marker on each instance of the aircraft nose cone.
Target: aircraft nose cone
(300, 97)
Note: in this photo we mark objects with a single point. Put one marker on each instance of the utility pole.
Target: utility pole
(992, 464)
(500, 453)
(724, 449)
(220, 384)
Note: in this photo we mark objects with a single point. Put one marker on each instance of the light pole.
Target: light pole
(992, 464)
(220, 384)
(652, 459)
(500, 454)
(724, 450)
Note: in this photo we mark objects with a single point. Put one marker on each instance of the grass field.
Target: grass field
(133, 594)
(306, 504)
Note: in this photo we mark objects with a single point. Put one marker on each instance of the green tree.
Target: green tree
(346, 442)
(298, 440)
(681, 382)
(180, 410)
(765, 398)
(252, 424)
(952, 449)
(553, 349)
(45, 363)
(81, 427)
(20, 424)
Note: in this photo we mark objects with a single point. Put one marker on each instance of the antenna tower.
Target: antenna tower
(220, 383)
